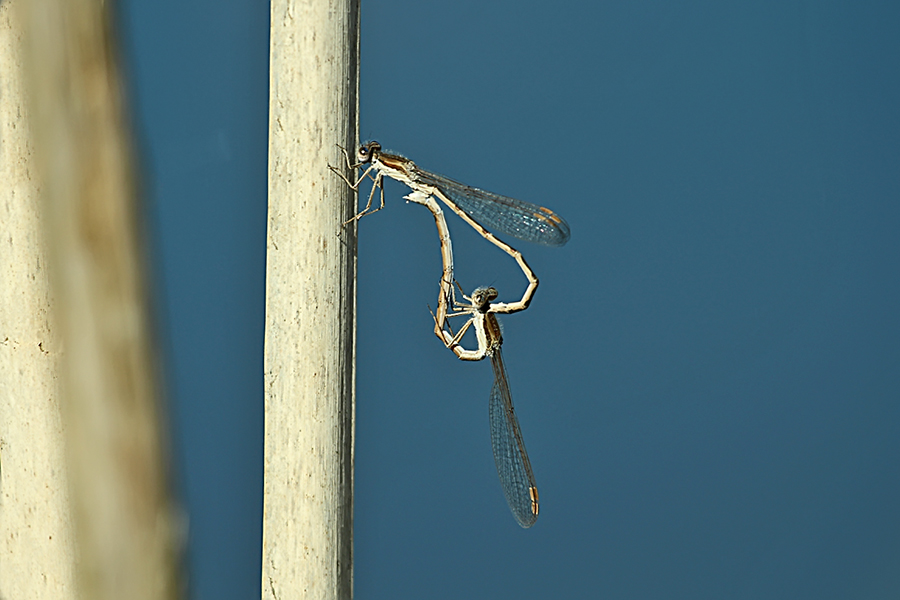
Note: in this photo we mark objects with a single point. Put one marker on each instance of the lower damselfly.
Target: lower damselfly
(510, 457)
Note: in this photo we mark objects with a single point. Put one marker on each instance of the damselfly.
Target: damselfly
(510, 457)
(479, 208)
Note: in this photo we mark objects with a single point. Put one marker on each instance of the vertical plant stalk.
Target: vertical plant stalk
(310, 302)
(37, 555)
(110, 393)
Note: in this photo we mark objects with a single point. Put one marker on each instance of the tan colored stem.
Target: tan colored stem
(310, 303)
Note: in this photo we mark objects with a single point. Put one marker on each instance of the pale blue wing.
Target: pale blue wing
(510, 457)
(497, 213)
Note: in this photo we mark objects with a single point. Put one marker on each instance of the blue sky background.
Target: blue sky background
(708, 378)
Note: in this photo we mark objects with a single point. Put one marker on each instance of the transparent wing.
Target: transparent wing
(523, 220)
(510, 457)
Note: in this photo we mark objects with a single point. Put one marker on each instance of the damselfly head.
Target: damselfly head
(368, 151)
(482, 297)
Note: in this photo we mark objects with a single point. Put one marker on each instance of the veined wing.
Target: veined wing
(510, 457)
(517, 218)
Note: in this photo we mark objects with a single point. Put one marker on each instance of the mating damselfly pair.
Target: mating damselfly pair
(484, 211)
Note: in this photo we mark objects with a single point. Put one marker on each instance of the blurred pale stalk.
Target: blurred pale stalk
(109, 396)
(36, 546)
(310, 302)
